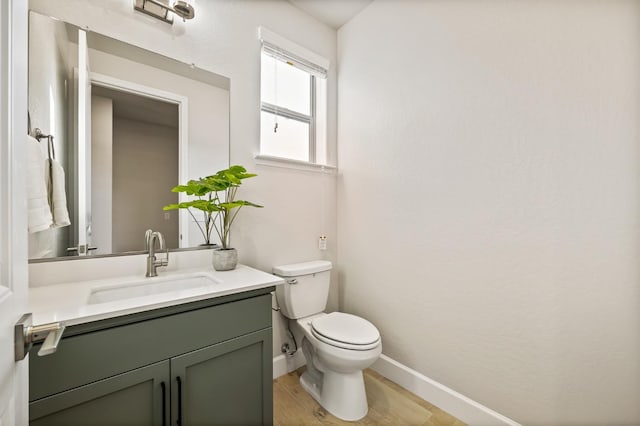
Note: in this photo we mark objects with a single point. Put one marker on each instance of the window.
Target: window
(293, 101)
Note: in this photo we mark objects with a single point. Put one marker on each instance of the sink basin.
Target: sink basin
(148, 287)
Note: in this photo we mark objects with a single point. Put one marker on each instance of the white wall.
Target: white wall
(489, 199)
(223, 38)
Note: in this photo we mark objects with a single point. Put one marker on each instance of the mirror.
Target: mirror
(127, 126)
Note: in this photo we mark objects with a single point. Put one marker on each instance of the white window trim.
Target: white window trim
(273, 39)
(287, 163)
(317, 66)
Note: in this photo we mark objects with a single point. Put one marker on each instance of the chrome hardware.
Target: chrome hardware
(160, 9)
(82, 249)
(150, 244)
(26, 335)
(292, 281)
(39, 134)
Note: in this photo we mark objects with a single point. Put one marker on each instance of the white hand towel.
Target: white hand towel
(57, 194)
(39, 212)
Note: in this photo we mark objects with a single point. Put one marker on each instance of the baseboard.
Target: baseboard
(454, 403)
(283, 364)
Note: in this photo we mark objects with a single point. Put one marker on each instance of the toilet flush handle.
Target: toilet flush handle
(292, 281)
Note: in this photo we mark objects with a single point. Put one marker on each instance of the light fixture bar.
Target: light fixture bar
(160, 9)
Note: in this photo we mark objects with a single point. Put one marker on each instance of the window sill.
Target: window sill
(286, 163)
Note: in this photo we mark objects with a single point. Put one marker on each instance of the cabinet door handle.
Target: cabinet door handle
(179, 380)
(164, 403)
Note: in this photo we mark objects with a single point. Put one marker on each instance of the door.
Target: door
(83, 148)
(139, 397)
(13, 218)
(224, 384)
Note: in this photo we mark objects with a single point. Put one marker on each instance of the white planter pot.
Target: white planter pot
(225, 259)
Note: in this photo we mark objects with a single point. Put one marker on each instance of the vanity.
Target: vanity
(189, 355)
(189, 347)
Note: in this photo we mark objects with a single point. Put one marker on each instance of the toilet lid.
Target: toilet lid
(345, 331)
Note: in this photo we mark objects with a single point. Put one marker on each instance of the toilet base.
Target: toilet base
(342, 395)
(312, 387)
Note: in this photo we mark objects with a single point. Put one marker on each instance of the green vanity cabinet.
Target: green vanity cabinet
(203, 363)
(227, 382)
(132, 398)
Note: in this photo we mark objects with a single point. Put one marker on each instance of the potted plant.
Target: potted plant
(216, 198)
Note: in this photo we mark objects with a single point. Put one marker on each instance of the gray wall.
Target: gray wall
(101, 173)
(144, 156)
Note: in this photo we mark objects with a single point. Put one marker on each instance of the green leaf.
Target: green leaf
(210, 190)
(205, 205)
(238, 203)
(194, 187)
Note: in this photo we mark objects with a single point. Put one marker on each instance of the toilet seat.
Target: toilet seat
(345, 331)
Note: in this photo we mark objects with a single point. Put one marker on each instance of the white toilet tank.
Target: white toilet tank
(306, 289)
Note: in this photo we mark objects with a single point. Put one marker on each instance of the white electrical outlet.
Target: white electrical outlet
(322, 242)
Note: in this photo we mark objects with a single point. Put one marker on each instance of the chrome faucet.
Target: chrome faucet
(150, 243)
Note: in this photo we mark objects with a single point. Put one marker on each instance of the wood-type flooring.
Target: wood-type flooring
(389, 404)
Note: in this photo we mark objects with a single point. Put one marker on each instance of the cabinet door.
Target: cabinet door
(229, 383)
(138, 397)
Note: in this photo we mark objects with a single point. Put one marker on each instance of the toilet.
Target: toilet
(337, 346)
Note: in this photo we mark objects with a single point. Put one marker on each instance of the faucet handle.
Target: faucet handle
(165, 261)
(163, 247)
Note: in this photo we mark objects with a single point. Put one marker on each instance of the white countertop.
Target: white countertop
(69, 302)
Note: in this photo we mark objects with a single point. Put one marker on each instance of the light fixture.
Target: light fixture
(160, 9)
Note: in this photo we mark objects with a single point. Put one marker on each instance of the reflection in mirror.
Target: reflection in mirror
(151, 123)
(134, 146)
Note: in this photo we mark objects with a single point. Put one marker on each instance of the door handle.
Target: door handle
(26, 334)
(164, 403)
(179, 380)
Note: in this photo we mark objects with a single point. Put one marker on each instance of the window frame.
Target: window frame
(316, 67)
(310, 119)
